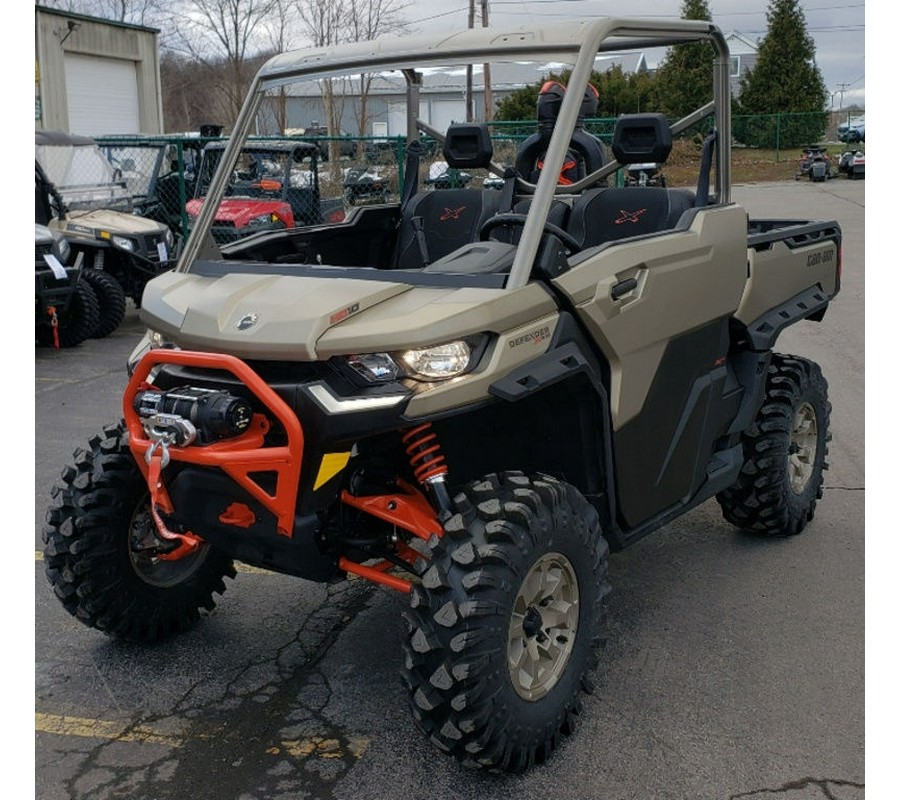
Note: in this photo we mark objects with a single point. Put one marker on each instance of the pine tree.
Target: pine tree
(684, 78)
(785, 80)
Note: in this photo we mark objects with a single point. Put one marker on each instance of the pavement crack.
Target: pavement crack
(827, 786)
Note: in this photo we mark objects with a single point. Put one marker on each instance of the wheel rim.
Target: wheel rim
(803, 447)
(144, 546)
(543, 626)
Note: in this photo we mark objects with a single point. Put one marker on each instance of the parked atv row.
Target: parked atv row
(81, 201)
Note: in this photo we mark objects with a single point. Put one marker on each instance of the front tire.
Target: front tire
(112, 300)
(505, 626)
(100, 550)
(785, 451)
(76, 323)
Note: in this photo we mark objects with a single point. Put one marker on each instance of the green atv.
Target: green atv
(471, 396)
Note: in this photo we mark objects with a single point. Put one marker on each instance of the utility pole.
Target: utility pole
(842, 87)
(488, 98)
(470, 108)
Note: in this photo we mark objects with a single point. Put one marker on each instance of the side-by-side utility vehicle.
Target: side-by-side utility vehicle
(471, 396)
(273, 185)
(86, 199)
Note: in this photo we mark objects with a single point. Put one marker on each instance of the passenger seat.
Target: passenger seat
(435, 222)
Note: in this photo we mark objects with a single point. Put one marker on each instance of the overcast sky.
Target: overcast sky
(838, 29)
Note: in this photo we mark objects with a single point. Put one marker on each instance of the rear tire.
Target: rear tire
(111, 297)
(505, 626)
(785, 451)
(98, 554)
(77, 323)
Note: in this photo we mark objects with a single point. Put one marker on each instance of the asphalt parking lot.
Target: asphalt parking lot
(735, 667)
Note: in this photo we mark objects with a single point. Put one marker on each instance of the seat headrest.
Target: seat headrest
(468, 146)
(640, 138)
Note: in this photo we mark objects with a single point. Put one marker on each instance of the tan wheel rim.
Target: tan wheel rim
(804, 443)
(542, 626)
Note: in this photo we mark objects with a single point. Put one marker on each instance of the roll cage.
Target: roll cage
(575, 43)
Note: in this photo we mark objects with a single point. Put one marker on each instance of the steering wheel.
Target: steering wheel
(570, 242)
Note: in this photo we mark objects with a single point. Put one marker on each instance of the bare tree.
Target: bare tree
(370, 19)
(224, 32)
(279, 28)
(322, 22)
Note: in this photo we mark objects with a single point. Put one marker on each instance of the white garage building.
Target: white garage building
(94, 76)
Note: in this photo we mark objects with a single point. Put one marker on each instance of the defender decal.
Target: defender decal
(533, 337)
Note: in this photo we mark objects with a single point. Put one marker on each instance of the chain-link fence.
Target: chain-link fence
(322, 177)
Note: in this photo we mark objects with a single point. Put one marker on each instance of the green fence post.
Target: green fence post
(778, 138)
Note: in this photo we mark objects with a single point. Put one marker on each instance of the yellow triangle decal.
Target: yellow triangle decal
(332, 464)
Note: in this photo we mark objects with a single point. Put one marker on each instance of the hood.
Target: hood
(78, 223)
(240, 210)
(303, 318)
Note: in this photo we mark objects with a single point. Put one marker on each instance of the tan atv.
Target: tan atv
(80, 194)
(470, 396)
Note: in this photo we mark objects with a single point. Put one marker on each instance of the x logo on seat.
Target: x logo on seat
(630, 216)
(452, 213)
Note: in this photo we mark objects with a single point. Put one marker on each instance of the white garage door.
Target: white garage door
(102, 96)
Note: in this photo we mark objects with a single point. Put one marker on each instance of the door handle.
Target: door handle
(622, 288)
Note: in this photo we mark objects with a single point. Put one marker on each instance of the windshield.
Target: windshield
(138, 167)
(83, 176)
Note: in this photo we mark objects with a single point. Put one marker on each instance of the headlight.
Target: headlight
(61, 249)
(123, 243)
(151, 340)
(436, 363)
(264, 220)
(375, 367)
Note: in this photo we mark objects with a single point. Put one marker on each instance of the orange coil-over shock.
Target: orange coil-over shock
(428, 464)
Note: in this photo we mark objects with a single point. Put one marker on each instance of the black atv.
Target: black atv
(67, 311)
(815, 164)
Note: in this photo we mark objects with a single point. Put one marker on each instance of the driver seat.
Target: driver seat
(435, 222)
(586, 152)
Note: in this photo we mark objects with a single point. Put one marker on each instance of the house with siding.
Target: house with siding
(744, 54)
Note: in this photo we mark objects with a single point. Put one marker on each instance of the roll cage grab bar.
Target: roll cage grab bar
(408, 55)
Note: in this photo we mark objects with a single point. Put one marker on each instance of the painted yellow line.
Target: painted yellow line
(245, 568)
(99, 729)
(313, 746)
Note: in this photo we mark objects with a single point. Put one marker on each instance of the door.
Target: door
(659, 310)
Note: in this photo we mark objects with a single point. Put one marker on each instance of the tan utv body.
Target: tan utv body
(472, 396)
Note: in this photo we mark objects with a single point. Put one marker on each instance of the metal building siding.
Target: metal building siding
(56, 42)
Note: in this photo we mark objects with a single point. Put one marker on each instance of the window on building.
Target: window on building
(735, 66)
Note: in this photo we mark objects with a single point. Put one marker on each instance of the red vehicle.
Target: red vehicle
(275, 184)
